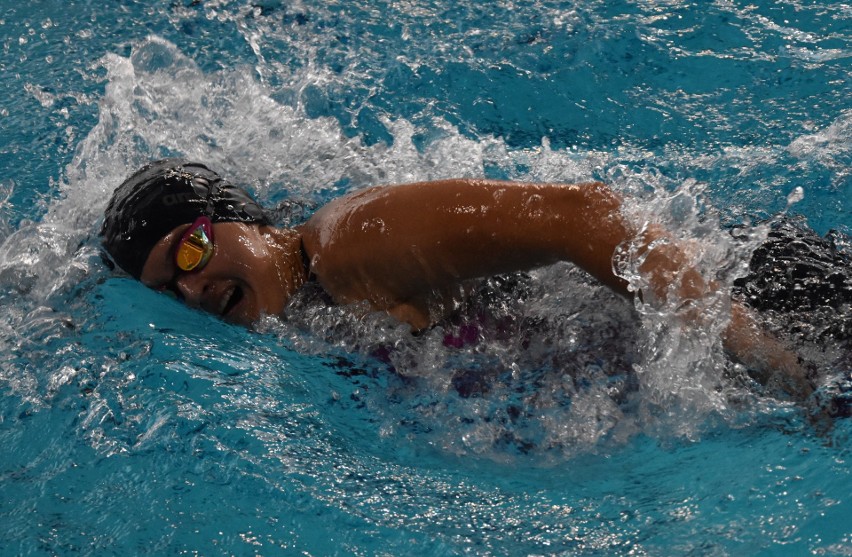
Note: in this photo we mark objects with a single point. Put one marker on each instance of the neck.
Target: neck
(291, 260)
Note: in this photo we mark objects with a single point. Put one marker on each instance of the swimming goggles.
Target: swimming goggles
(195, 247)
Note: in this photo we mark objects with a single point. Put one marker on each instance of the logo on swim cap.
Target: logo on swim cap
(176, 198)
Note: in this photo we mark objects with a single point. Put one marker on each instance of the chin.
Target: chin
(241, 317)
(244, 322)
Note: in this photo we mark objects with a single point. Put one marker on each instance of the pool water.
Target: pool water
(569, 422)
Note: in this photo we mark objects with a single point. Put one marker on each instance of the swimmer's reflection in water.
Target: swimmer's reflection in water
(410, 251)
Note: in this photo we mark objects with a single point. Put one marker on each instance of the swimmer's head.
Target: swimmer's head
(163, 195)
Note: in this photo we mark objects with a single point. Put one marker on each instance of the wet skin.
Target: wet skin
(254, 271)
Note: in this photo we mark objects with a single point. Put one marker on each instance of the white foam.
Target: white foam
(831, 146)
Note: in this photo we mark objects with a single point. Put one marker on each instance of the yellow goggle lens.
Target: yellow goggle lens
(194, 250)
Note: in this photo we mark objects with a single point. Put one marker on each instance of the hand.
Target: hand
(777, 365)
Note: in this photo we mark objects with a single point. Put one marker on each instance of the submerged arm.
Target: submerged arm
(776, 365)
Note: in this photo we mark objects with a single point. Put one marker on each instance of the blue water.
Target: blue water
(132, 425)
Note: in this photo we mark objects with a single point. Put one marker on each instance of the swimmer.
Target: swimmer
(408, 250)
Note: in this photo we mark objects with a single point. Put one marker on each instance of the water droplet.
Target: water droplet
(796, 195)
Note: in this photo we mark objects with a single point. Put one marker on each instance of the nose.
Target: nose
(191, 287)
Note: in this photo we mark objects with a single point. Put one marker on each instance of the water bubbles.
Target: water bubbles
(7, 188)
(795, 196)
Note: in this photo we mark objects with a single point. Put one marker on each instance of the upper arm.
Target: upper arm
(398, 244)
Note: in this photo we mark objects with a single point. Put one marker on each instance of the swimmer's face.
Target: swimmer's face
(253, 271)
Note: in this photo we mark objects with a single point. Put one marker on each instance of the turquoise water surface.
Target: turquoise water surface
(576, 424)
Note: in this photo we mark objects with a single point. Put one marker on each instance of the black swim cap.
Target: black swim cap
(161, 196)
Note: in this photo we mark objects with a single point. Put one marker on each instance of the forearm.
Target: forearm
(776, 365)
(671, 276)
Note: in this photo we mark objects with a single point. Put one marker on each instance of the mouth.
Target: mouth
(230, 300)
